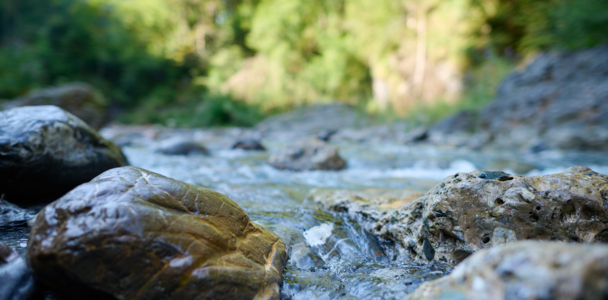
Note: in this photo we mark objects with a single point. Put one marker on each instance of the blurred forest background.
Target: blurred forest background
(213, 62)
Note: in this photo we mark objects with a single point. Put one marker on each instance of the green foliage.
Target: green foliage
(566, 24)
(209, 62)
(528, 26)
(198, 110)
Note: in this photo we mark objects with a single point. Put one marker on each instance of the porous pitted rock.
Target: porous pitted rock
(17, 281)
(80, 99)
(181, 146)
(45, 152)
(134, 234)
(248, 144)
(308, 154)
(525, 270)
(468, 212)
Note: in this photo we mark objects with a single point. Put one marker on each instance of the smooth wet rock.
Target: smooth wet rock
(181, 146)
(248, 144)
(45, 152)
(468, 212)
(525, 270)
(308, 154)
(147, 236)
(16, 279)
(80, 99)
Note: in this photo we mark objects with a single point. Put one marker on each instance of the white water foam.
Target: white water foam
(317, 235)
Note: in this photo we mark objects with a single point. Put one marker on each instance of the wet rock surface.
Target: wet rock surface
(80, 99)
(248, 144)
(525, 270)
(308, 154)
(17, 281)
(469, 212)
(46, 151)
(151, 237)
(181, 146)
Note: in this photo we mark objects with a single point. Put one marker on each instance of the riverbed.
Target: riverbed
(332, 256)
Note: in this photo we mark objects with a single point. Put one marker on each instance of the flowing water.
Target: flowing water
(331, 255)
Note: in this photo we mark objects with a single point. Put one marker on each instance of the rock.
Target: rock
(560, 97)
(248, 144)
(147, 236)
(417, 135)
(326, 134)
(469, 212)
(80, 99)
(464, 120)
(310, 120)
(181, 146)
(45, 152)
(308, 154)
(17, 279)
(525, 270)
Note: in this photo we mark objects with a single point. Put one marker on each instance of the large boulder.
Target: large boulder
(308, 154)
(45, 152)
(78, 98)
(525, 270)
(559, 101)
(17, 281)
(134, 234)
(468, 212)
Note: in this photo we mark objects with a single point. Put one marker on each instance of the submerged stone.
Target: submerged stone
(308, 154)
(468, 212)
(134, 234)
(45, 152)
(16, 279)
(525, 270)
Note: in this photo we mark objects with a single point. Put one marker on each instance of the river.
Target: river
(332, 255)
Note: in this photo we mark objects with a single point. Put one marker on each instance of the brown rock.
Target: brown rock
(134, 234)
(308, 154)
(78, 98)
(468, 212)
(525, 270)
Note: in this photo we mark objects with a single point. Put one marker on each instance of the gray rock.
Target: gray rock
(248, 144)
(308, 154)
(561, 97)
(16, 278)
(181, 146)
(525, 270)
(467, 213)
(46, 151)
(310, 120)
(80, 99)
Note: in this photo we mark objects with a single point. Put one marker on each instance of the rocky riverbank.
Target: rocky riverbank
(559, 101)
(314, 204)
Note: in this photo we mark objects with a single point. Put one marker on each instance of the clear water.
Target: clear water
(332, 256)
